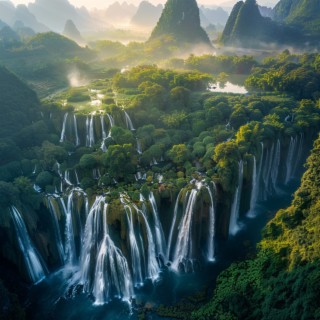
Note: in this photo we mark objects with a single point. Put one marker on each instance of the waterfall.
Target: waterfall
(260, 170)
(139, 149)
(90, 131)
(35, 267)
(267, 172)
(111, 121)
(235, 208)
(104, 134)
(152, 264)
(112, 275)
(210, 255)
(275, 166)
(134, 249)
(63, 131)
(289, 161)
(255, 187)
(183, 249)
(67, 177)
(103, 129)
(299, 155)
(159, 236)
(69, 247)
(77, 177)
(91, 239)
(87, 131)
(128, 121)
(59, 169)
(104, 269)
(175, 214)
(57, 232)
(75, 125)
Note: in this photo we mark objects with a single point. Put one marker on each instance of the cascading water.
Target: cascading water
(267, 172)
(173, 224)
(91, 239)
(104, 134)
(275, 167)
(91, 131)
(299, 155)
(235, 208)
(210, 255)
(128, 121)
(103, 129)
(112, 275)
(289, 161)
(183, 248)
(159, 236)
(75, 125)
(134, 248)
(67, 178)
(255, 187)
(111, 121)
(152, 264)
(63, 131)
(57, 232)
(139, 148)
(87, 131)
(35, 267)
(69, 247)
(77, 177)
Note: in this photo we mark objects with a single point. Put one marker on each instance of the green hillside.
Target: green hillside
(18, 104)
(44, 60)
(303, 14)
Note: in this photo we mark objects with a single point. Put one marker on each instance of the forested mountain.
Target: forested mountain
(303, 14)
(180, 19)
(247, 27)
(44, 60)
(19, 105)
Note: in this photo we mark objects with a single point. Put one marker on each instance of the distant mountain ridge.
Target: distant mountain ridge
(147, 14)
(11, 14)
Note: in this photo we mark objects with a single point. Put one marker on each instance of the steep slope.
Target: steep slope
(147, 15)
(282, 282)
(72, 32)
(180, 19)
(304, 14)
(18, 104)
(44, 60)
(247, 27)
(227, 32)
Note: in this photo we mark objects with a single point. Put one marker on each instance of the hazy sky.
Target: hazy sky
(106, 3)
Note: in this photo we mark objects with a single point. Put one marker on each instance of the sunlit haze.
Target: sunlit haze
(106, 3)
